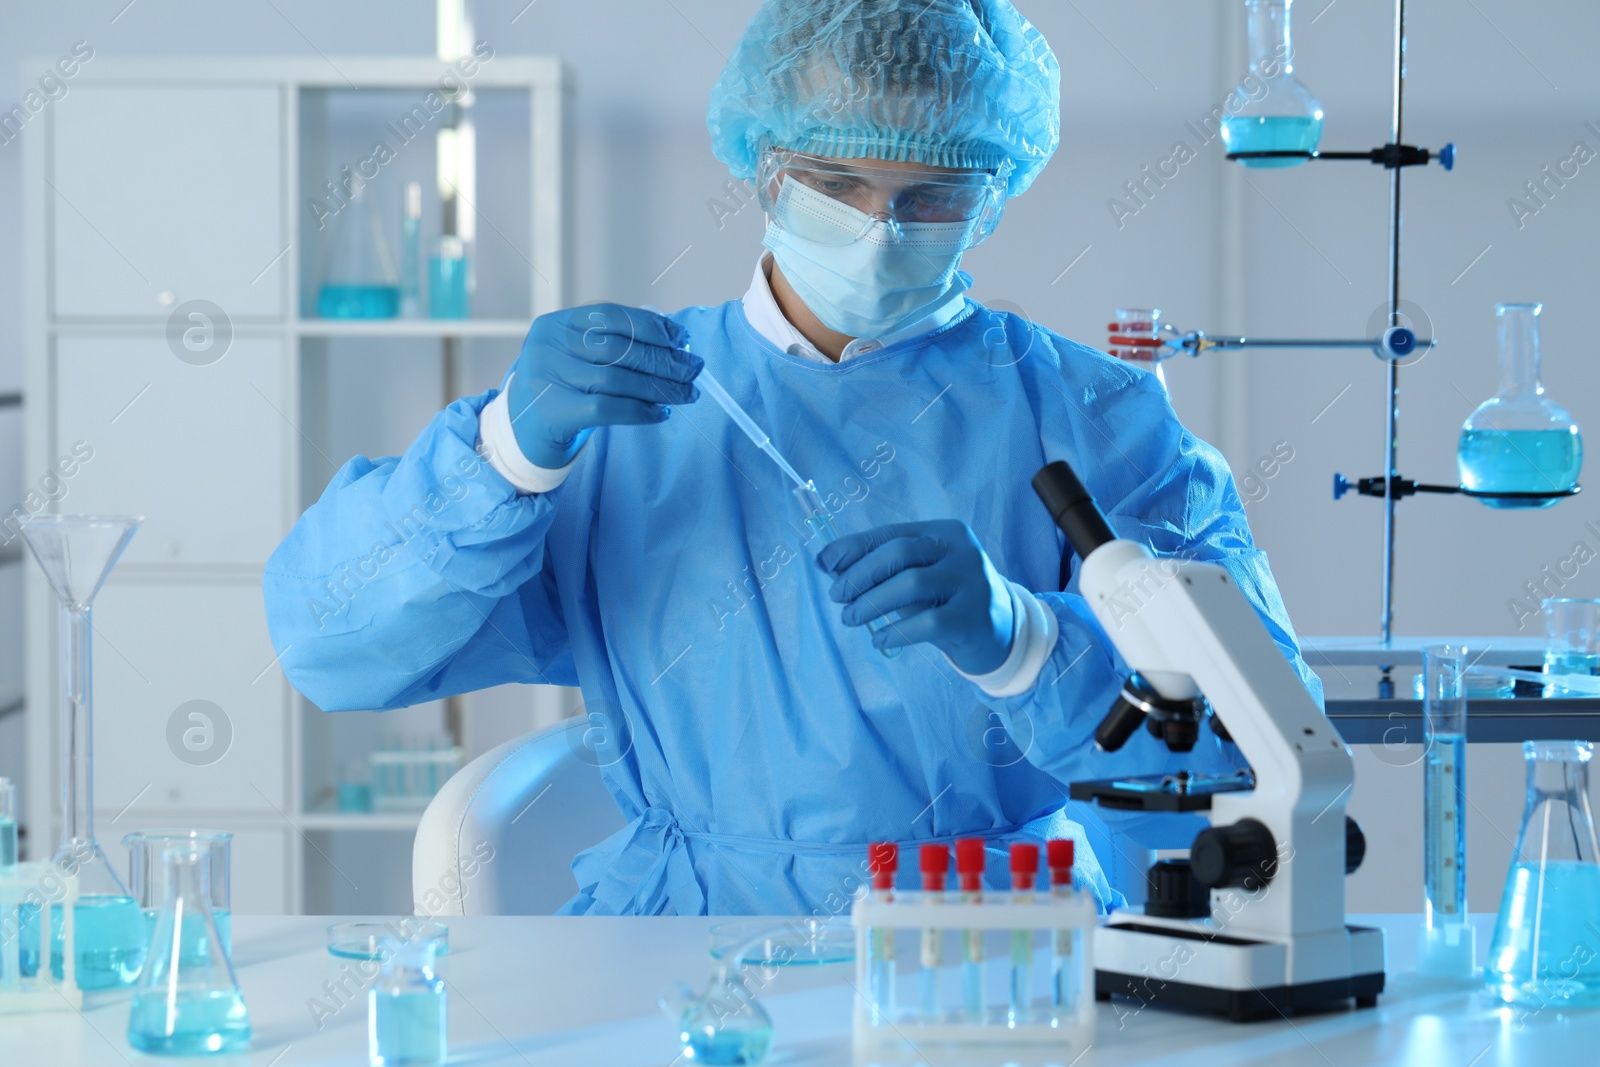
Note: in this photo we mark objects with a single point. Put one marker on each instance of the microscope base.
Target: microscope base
(1243, 980)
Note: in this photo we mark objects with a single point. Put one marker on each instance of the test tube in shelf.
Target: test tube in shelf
(1023, 998)
(408, 771)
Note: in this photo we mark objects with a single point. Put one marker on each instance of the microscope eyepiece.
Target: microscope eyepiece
(1072, 508)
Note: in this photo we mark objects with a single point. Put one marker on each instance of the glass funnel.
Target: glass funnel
(1270, 111)
(360, 279)
(188, 1001)
(1542, 952)
(76, 552)
(1519, 442)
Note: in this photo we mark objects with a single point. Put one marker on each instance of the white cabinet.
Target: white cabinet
(161, 194)
(202, 452)
(188, 718)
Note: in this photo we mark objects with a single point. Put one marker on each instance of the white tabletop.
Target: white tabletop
(554, 991)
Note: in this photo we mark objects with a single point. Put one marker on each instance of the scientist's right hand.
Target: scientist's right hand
(598, 365)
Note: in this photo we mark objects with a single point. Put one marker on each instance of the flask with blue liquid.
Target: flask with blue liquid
(1270, 111)
(1519, 449)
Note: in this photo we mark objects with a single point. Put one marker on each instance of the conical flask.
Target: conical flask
(188, 1001)
(1270, 111)
(1542, 954)
(1519, 442)
(76, 553)
(359, 277)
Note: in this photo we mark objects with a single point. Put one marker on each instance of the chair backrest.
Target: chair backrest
(499, 838)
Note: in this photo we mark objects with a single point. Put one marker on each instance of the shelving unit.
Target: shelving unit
(156, 184)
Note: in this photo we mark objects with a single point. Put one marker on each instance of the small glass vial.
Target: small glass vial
(1270, 111)
(1519, 442)
(406, 1007)
(970, 857)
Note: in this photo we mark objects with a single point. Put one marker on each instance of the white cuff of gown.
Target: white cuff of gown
(1033, 637)
(498, 444)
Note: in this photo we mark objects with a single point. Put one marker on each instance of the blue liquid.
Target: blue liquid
(1271, 134)
(1444, 845)
(1542, 955)
(1519, 461)
(355, 796)
(447, 287)
(110, 941)
(880, 976)
(199, 1022)
(358, 301)
(8, 842)
(721, 1046)
(406, 1029)
(192, 947)
(1582, 663)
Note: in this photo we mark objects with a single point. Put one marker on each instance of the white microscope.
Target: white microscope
(1252, 924)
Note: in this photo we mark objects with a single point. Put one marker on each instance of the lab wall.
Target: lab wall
(1300, 251)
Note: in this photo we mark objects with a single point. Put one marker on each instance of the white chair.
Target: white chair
(499, 838)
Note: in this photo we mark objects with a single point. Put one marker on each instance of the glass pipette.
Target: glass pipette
(707, 381)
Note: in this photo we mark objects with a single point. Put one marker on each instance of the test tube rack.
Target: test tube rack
(1040, 1022)
(42, 887)
(406, 779)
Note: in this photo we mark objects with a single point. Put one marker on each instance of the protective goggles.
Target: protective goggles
(975, 198)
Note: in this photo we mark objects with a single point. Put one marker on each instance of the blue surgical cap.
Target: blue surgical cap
(944, 83)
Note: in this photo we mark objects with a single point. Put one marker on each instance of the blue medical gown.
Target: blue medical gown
(755, 743)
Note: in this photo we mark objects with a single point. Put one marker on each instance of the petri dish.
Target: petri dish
(784, 942)
(363, 940)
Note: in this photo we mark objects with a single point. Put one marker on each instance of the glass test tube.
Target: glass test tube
(821, 520)
(969, 872)
(935, 863)
(1063, 965)
(882, 860)
(1446, 948)
(1024, 872)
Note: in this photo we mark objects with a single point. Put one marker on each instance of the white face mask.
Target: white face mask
(858, 274)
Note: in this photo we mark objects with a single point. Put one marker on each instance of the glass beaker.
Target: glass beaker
(359, 279)
(1446, 942)
(406, 1017)
(1270, 111)
(1134, 339)
(76, 553)
(1572, 640)
(144, 879)
(1544, 951)
(1519, 442)
(187, 1004)
(449, 283)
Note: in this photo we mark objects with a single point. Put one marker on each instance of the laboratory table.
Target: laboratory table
(556, 991)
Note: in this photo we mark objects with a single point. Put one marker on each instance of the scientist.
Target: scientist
(592, 525)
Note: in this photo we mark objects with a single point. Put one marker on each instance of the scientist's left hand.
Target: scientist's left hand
(937, 576)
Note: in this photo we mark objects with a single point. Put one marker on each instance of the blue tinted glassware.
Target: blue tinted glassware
(1519, 441)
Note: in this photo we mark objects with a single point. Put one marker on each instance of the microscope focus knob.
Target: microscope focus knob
(1243, 854)
(1173, 892)
(1355, 845)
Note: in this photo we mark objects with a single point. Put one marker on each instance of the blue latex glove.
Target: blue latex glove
(598, 365)
(937, 576)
